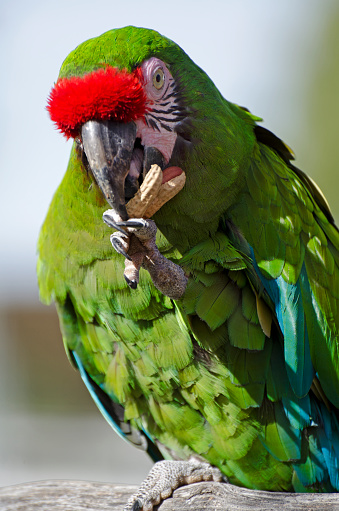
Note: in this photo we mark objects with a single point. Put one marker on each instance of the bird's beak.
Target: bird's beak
(108, 146)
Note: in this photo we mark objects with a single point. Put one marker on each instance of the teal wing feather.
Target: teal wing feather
(293, 243)
(222, 309)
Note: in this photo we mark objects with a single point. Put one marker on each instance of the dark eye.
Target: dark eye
(158, 78)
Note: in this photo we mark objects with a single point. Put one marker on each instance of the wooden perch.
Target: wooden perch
(207, 496)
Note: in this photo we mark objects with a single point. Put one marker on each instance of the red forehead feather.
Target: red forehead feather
(106, 93)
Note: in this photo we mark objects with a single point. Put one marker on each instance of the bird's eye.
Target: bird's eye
(158, 78)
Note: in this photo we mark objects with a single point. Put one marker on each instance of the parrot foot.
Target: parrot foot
(135, 240)
(165, 477)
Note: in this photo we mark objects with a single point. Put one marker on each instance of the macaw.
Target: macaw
(206, 326)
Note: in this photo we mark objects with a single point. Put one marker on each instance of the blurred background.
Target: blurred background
(279, 59)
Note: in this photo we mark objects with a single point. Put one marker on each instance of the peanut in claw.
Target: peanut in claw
(146, 194)
(152, 195)
(166, 192)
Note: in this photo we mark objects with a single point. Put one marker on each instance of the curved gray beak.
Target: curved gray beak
(108, 146)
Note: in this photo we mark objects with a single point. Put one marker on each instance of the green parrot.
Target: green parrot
(206, 328)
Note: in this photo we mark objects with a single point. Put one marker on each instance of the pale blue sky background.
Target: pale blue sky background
(259, 53)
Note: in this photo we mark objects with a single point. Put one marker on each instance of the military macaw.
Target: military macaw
(207, 334)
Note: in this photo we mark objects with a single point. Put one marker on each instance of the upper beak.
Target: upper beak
(108, 146)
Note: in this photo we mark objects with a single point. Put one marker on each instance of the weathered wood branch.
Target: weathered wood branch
(89, 496)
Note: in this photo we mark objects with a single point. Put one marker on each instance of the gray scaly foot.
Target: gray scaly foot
(165, 477)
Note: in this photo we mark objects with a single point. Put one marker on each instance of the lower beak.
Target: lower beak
(108, 146)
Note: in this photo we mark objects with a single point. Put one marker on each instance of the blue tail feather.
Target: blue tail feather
(113, 412)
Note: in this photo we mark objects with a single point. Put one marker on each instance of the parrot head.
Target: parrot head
(131, 98)
(121, 103)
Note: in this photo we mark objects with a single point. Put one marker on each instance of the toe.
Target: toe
(133, 284)
(134, 222)
(137, 506)
(120, 245)
(109, 219)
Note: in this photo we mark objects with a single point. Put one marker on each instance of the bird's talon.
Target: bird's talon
(118, 246)
(133, 284)
(112, 223)
(137, 506)
(132, 223)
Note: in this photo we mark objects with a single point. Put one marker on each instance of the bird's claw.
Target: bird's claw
(120, 243)
(144, 229)
(132, 222)
(109, 219)
(135, 240)
(133, 284)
